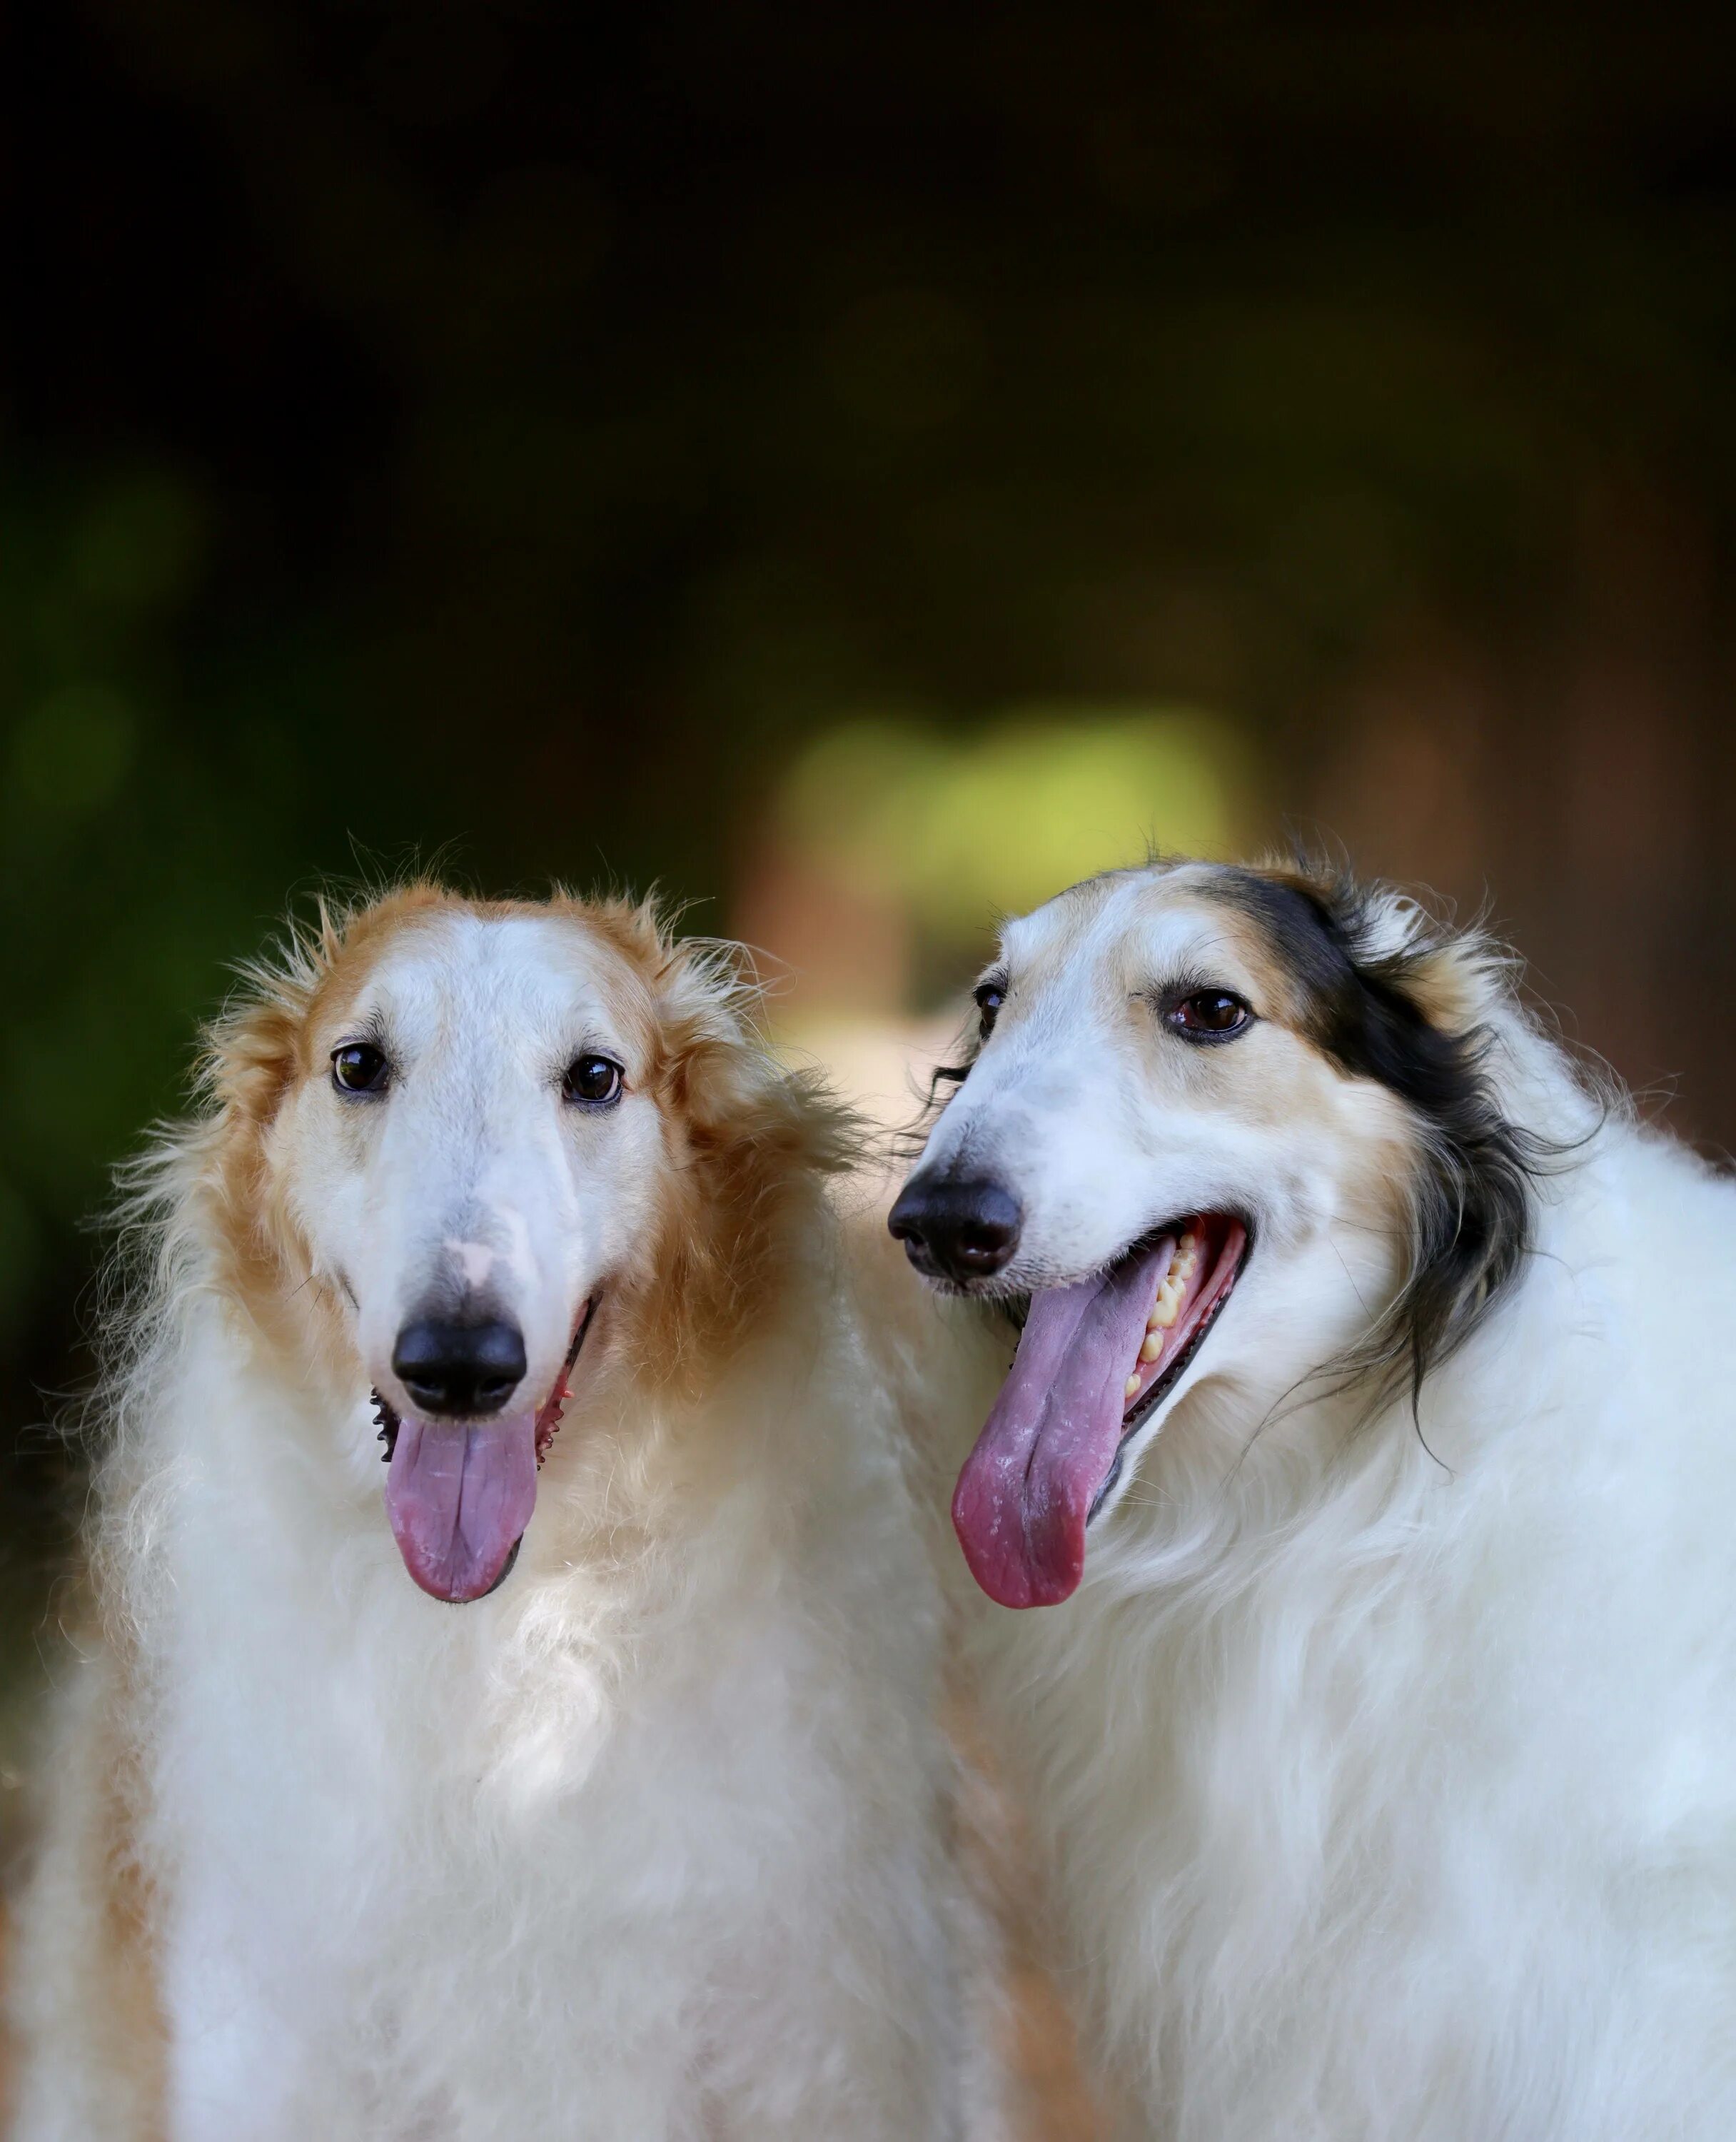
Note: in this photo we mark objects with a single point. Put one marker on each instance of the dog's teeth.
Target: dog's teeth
(1131, 1384)
(1184, 1261)
(1150, 1347)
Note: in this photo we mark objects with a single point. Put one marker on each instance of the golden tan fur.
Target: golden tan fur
(86, 1935)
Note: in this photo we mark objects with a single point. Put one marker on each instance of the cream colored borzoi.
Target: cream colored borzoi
(1370, 1451)
(633, 1830)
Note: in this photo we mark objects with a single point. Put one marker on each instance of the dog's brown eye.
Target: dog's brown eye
(359, 1068)
(990, 996)
(592, 1080)
(1209, 1015)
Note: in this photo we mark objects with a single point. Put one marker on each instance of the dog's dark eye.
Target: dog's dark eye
(592, 1081)
(1209, 1015)
(990, 996)
(359, 1068)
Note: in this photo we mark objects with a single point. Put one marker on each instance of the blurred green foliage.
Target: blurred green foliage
(955, 831)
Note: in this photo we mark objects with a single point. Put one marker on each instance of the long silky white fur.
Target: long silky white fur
(1386, 1780)
(651, 1846)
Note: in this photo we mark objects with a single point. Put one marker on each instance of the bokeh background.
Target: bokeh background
(859, 467)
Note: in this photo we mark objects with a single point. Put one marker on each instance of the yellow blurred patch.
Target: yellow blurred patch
(956, 832)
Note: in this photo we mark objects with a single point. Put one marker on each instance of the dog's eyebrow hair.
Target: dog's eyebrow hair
(371, 1026)
(1159, 988)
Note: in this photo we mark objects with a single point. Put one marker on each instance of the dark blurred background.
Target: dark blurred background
(857, 466)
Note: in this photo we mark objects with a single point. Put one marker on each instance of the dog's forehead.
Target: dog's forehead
(528, 975)
(1135, 926)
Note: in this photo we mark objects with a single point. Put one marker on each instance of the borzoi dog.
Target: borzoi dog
(1370, 1448)
(585, 1782)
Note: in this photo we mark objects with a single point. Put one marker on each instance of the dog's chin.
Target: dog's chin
(1098, 1361)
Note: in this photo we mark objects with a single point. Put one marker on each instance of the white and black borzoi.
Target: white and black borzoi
(646, 1842)
(1370, 1450)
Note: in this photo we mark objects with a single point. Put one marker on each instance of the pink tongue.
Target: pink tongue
(459, 1499)
(1046, 1450)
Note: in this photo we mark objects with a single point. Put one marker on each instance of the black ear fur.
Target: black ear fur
(1405, 1009)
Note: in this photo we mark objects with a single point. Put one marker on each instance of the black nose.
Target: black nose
(462, 1368)
(956, 1230)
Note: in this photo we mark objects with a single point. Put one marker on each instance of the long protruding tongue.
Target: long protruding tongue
(459, 1499)
(1046, 1450)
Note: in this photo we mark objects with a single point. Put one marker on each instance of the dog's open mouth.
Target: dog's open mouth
(459, 1495)
(1094, 1362)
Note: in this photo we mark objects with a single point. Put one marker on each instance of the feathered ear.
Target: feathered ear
(253, 1048)
(712, 1067)
(251, 1057)
(1455, 982)
(749, 1133)
(1395, 995)
(1457, 979)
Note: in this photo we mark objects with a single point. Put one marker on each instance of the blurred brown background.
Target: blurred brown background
(859, 466)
